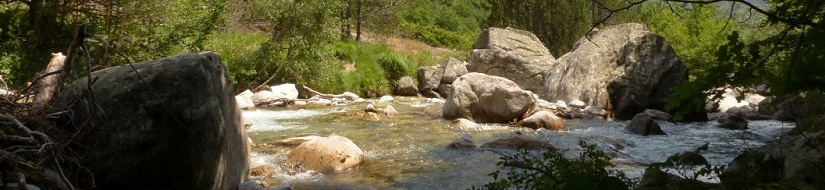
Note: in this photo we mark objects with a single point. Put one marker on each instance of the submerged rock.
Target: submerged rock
(624, 68)
(542, 119)
(179, 129)
(519, 143)
(487, 99)
(733, 122)
(643, 124)
(462, 124)
(465, 142)
(514, 54)
(327, 154)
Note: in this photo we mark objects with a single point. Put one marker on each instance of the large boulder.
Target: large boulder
(514, 54)
(327, 154)
(794, 160)
(244, 99)
(428, 78)
(453, 68)
(623, 67)
(487, 99)
(406, 87)
(180, 128)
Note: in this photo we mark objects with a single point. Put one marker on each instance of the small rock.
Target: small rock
(465, 142)
(389, 110)
(431, 94)
(386, 98)
(577, 104)
(643, 124)
(327, 154)
(359, 100)
(406, 87)
(692, 158)
(542, 119)
(561, 104)
(262, 171)
(350, 96)
(595, 110)
(462, 124)
(733, 122)
(518, 143)
(435, 100)
(660, 115)
(320, 102)
(300, 103)
(249, 185)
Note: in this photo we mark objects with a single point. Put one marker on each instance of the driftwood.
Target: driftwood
(346, 95)
(50, 83)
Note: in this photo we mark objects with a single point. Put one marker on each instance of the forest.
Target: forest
(366, 46)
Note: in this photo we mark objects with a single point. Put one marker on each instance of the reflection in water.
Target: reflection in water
(406, 151)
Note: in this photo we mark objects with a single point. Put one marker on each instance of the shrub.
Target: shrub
(551, 170)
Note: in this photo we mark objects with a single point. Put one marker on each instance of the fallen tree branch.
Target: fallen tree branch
(348, 96)
(42, 138)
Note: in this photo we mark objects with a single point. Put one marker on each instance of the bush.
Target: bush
(394, 66)
(551, 170)
(238, 51)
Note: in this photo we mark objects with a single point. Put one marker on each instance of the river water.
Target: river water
(407, 151)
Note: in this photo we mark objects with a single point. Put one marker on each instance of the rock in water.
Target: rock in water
(487, 99)
(180, 129)
(389, 110)
(406, 87)
(519, 143)
(624, 68)
(733, 122)
(453, 68)
(660, 115)
(543, 119)
(327, 154)
(643, 124)
(244, 99)
(511, 53)
(429, 78)
(465, 142)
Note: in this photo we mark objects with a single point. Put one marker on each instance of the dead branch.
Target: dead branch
(42, 138)
(349, 97)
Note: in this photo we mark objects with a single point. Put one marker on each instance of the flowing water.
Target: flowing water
(407, 151)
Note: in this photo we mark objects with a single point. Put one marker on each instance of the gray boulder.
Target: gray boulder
(181, 129)
(406, 87)
(733, 122)
(465, 142)
(487, 99)
(643, 124)
(660, 115)
(453, 68)
(428, 78)
(514, 54)
(623, 67)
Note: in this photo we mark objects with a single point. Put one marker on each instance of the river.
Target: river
(407, 151)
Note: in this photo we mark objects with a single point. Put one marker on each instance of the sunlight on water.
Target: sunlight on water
(407, 151)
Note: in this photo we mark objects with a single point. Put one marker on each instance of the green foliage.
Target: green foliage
(394, 66)
(444, 23)
(238, 50)
(559, 24)
(551, 170)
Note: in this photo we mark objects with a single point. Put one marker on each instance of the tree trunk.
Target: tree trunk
(358, 22)
(49, 83)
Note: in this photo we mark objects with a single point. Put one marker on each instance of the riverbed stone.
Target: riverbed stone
(462, 124)
(511, 53)
(327, 154)
(542, 119)
(244, 99)
(660, 115)
(643, 124)
(487, 99)
(733, 122)
(692, 158)
(180, 128)
(624, 68)
(406, 87)
(464, 142)
(389, 110)
(285, 91)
